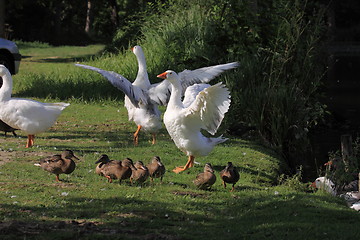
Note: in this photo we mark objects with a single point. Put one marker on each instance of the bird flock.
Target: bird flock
(192, 105)
(136, 173)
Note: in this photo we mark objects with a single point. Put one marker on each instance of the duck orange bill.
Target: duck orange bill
(313, 185)
(162, 75)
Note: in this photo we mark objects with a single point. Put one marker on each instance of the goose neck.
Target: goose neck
(6, 88)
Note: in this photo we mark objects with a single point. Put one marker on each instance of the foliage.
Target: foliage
(294, 182)
(280, 74)
(63, 22)
(276, 88)
(342, 170)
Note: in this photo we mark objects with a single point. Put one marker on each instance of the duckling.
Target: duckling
(156, 169)
(6, 128)
(140, 174)
(230, 175)
(205, 179)
(112, 169)
(59, 163)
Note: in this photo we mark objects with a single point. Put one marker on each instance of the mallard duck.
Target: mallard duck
(184, 122)
(205, 179)
(142, 98)
(59, 164)
(102, 161)
(140, 174)
(113, 169)
(230, 175)
(6, 128)
(30, 116)
(156, 169)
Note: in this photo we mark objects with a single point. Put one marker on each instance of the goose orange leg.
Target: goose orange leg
(57, 178)
(189, 164)
(136, 135)
(30, 141)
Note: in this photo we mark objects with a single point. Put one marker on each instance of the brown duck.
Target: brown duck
(103, 160)
(112, 169)
(59, 164)
(230, 175)
(205, 179)
(156, 169)
(140, 174)
(6, 128)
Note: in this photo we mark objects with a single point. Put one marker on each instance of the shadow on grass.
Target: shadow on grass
(55, 59)
(296, 216)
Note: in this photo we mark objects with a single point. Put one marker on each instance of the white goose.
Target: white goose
(30, 116)
(325, 184)
(184, 120)
(142, 98)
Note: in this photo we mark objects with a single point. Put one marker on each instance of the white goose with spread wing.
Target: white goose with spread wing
(142, 98)
(30, 116)
(184, 119)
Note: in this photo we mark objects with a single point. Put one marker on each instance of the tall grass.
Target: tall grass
(278, 88)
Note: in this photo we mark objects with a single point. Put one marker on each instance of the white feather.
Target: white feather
(27, 115)
(205, 112)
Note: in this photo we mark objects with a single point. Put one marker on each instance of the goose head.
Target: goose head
(139, 53)
(325, 184)
(137, 50)
(169, 75)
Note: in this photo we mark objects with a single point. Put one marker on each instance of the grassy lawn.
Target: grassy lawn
(84, 206)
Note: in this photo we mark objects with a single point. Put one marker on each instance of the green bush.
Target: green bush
(275, 90)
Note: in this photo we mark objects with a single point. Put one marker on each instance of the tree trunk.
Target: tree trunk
(2, 18)
(254, 8)
(114, 14)
(89, 17)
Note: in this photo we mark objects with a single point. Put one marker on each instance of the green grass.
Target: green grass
(85, 206)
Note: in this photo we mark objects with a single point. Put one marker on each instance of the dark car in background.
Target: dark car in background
(10, 55)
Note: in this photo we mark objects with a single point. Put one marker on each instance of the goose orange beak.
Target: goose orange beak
(162, 75)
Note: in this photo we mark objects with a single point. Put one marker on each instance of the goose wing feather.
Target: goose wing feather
(203, 75)
(210, 105)
(134, 93)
